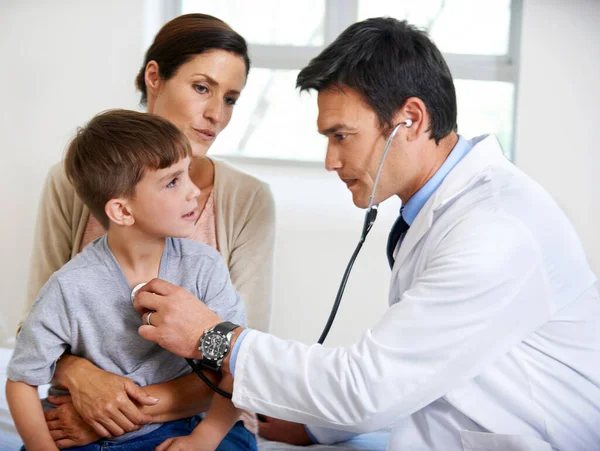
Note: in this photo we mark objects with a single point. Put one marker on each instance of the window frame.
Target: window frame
(339, 14)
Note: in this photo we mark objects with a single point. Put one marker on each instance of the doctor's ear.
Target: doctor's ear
(118, 212)
(412, 114)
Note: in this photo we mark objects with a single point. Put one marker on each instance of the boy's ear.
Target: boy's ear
(118, 212)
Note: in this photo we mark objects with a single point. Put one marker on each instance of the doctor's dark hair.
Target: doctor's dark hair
(387, 61)
(184, 37)
(109, 155)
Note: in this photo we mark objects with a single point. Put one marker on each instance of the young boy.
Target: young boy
(131, 170)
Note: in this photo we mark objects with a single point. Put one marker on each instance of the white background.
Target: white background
(61, 62)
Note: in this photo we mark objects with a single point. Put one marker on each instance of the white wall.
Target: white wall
(558, 111)
(76, 58)
(61, 62)
(318, 229)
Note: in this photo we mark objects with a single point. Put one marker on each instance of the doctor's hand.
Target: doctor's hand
(283, 431)
(177, 318)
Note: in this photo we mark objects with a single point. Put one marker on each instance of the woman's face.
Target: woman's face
(200, 96)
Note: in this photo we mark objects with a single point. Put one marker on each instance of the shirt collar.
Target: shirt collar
(416, 202)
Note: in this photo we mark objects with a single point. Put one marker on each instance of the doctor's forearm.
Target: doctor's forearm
(343, 388)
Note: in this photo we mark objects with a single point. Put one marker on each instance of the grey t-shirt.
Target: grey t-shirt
(85, 308)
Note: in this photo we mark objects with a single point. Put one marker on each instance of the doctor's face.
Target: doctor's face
(355, 144)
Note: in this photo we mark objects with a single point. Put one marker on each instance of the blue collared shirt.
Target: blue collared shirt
(416, 202)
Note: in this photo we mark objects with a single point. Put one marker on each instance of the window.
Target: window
(273, 121)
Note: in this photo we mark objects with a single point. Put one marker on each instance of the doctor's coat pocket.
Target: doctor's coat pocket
(485, 441)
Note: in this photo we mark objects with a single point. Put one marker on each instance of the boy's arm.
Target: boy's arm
(26, 410)
(220, 418)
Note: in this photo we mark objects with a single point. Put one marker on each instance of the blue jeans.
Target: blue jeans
(238, 439)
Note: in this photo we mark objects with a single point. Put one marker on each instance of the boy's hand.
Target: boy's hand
(184, 444)
(67, 428)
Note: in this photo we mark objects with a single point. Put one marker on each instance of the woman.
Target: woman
(193, 74)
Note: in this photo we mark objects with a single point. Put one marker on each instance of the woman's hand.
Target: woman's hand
(67, 428)
(105, 401)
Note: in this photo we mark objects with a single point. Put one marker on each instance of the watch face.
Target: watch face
(214, 346)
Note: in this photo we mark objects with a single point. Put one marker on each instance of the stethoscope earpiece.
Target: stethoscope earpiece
(408, 123)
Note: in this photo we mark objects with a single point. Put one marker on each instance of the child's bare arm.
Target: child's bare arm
(26, 410)
(220, 418)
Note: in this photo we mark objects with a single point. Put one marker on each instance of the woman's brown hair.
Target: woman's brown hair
(184, 37)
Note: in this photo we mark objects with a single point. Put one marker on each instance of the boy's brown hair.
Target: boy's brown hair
(109, 155)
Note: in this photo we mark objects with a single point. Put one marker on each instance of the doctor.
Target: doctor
(492, 338)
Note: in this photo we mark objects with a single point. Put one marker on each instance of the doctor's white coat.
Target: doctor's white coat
(491, 341)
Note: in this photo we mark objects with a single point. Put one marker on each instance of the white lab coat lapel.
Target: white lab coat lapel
(470, 171)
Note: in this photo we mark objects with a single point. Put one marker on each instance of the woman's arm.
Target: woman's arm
(113, 404)
(107, 402)
(53, 238)
(251, 259)
(179, 398)
(26, 410)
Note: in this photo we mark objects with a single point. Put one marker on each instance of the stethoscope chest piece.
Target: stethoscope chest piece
(136, 289)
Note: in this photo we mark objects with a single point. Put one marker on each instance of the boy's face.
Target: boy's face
(164, 203)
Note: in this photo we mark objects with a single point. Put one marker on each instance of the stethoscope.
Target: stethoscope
(195, 366)
(370, 216)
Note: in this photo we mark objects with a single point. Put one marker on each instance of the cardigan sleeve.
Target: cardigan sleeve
(251, 258)
(53, 236)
